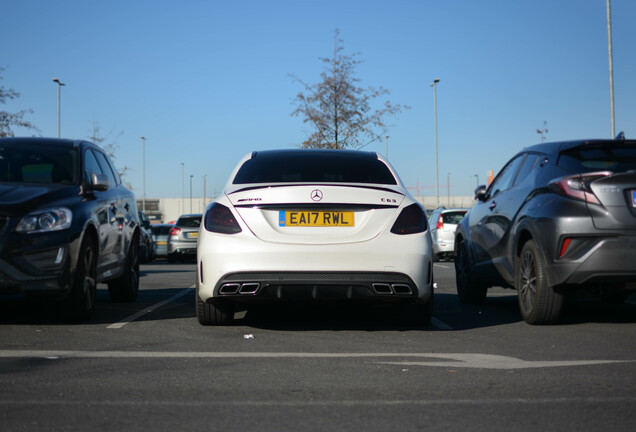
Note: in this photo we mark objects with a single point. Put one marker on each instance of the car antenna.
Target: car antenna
(620, 136)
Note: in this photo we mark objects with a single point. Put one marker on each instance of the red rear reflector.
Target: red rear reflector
(564, 246)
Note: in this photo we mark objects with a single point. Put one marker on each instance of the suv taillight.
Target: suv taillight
(440, 222)
(412, 220)
(175, 231)
(578, 186)
(220, 219)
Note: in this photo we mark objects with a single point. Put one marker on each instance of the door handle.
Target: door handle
(493, 205)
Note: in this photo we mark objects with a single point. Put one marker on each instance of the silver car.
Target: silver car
(443, 223)
(160, 234)
(182, 242)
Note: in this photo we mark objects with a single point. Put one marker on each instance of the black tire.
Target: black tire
(539, 303)
(414, 314)
(468, 291)
(126, 287)
(80, 303)
(214, 314)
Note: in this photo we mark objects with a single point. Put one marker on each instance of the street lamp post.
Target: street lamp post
(611, 66)
(191, 175)
(59, 85)
(182, 188)
(204, 192)
(143, 172)
(434, 85)
(448, 188)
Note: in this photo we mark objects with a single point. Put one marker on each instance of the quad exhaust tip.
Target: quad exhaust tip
(391, 289)
(247, 288)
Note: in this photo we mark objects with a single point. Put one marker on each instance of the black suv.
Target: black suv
(66, 224)
(558, 220)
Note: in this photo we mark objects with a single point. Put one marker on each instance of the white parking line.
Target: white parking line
(454, 360)
(149, 309)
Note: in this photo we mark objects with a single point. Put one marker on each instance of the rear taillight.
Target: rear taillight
(578, 186)
(220, 219)
(440, 222)
(175, 231)
(412, 220)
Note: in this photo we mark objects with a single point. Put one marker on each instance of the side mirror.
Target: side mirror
(99, 182)
(480, 192)
(146, 224)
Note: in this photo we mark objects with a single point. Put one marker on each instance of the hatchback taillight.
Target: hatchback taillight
(175, 231)
(412, 220)
(578, 186)
(440, 222)
(220, 219)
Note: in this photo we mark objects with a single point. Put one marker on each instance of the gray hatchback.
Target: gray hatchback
(182, 242)
(559, 220)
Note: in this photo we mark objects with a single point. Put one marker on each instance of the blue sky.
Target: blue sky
(208, 81)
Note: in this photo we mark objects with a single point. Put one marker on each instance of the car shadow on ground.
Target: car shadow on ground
(503, 309)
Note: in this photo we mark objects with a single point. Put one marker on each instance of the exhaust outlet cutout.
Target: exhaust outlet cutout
(229, 288)
(382, 288)
(402, 289)
(249, 288)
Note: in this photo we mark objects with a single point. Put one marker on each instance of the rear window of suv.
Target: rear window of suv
(610, 157)
(314, 166)
(453, 217)
(189, 222)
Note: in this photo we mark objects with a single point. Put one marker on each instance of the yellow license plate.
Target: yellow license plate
(194, 234)
(162, 243)
(316, 218)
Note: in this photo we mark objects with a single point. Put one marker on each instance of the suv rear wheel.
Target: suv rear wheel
(538, 302)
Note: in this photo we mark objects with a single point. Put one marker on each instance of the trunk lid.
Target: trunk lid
(617, 194)
(317, 214)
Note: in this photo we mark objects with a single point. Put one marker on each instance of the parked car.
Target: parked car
(160, 234)
(314, 225)
(66, 224)
(146, 242)
(182, 242)
(443, 223)
(558, 220)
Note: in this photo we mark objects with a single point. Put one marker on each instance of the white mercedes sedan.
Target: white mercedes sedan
(314, 225)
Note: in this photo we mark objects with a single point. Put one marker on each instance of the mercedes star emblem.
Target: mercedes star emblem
(316, 194)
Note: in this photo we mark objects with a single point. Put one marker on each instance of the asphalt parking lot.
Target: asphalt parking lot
(150, 365)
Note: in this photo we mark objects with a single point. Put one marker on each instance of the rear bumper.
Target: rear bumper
(605, 261)
(244, 268)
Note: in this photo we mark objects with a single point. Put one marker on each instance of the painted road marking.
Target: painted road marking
(149, 309)
(452, 360)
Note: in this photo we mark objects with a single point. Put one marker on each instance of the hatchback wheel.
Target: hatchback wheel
(468, 291)
(538, 302)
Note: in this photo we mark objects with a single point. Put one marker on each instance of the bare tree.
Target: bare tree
(543, 132)
(7, 119)
(108, 143)
(338, 110)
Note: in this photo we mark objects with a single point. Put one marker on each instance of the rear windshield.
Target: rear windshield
(611, 157)
(189, 222)
(315, 167)
(37, 163)
(453, 217)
